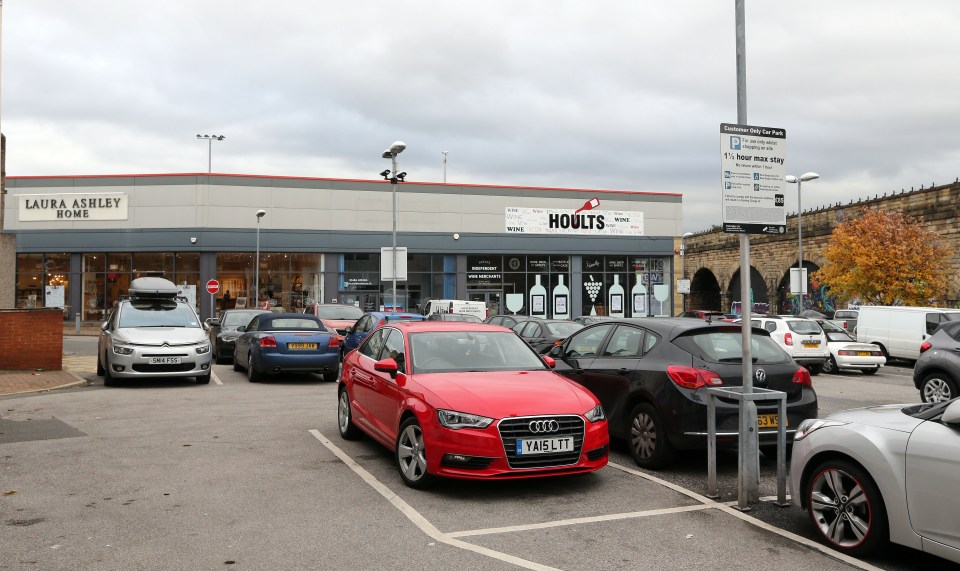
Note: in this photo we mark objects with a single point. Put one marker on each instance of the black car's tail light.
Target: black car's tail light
(802, 377)
(692, 377)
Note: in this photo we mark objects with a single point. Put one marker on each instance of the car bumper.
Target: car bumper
(278, 362)
(138, 365)
(815, 360)
(802, 451)
(852, 362)
(480, 455)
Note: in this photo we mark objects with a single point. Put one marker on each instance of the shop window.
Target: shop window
(94, 263)
(187, 262)
(159, 264)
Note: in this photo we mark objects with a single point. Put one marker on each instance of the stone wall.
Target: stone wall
(937, 207)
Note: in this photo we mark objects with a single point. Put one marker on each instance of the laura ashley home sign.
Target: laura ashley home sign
(55, 207)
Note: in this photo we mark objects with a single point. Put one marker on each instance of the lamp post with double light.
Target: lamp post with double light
(210, 139)
(683, 254)
(799, 181)
(256, 262)
(393, 176)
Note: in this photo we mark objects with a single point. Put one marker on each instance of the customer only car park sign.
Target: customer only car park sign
(752, 181)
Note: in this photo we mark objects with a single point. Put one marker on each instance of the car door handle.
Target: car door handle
(623, 371)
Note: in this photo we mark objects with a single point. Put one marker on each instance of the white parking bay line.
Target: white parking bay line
(215, 378)
(727, 508)
(580, 520)
(415, 517)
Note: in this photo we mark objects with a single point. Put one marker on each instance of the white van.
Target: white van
(475, 308)
(899, 330)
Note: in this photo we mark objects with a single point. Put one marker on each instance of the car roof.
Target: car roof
(385, 314)
(420, 326)
(673, 327)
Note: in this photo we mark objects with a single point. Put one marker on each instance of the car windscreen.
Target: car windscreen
(804, 327)
(727, 347)
(238, 318)
(462, 351)
(838, 336)
(927, 411)
(157, 313)
(563, 329)
(339, 312)
(828, 326)
(954, 316)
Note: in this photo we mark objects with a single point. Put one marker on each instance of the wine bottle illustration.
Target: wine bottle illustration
(639, 296)
(615, 295)
(561, 298)
(538, 299)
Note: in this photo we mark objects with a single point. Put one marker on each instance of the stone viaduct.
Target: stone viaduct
(712, 260)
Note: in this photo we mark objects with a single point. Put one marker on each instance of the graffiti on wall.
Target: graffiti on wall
(755, 308)
(821, 301)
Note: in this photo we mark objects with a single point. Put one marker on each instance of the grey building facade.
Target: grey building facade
(550, 252)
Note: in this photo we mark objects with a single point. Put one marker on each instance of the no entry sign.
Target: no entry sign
(213, 286)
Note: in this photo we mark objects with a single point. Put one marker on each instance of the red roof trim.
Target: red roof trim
(587, 190)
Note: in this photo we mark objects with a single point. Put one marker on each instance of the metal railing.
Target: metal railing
(737, 394)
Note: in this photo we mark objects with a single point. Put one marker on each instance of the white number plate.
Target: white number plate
(545, 445)
(164, 360)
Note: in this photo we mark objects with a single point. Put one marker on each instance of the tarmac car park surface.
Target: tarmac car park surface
(232, 475)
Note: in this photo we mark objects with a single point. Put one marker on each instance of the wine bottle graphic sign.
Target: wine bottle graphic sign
(615, 295)
(561, 298)
(538, 299)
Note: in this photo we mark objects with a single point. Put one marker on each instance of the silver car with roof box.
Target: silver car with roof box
(153, 333)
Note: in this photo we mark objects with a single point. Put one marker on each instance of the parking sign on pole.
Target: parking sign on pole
(752, 181)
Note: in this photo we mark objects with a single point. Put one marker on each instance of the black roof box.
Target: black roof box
(153, 287)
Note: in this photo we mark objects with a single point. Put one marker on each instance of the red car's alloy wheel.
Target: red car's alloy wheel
(411, 455)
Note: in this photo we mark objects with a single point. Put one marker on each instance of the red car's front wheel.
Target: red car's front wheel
(411, 455)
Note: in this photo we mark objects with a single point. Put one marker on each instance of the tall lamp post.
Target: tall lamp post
(799, 181)
(683, 254)
(393, 176)
(256, 262)
(444, 165)
(210, 139)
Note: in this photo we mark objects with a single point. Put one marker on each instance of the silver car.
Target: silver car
(882, 473)
(154, 333)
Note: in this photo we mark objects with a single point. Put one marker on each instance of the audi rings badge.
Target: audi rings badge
(543, 426)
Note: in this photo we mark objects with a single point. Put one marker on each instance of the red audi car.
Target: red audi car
(468, 400)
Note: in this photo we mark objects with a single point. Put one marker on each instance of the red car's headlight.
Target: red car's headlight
(457, 420)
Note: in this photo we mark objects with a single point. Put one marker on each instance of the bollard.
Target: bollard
(76, 318)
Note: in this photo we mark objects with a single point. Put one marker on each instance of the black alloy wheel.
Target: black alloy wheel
(648, 439)
(846, 508)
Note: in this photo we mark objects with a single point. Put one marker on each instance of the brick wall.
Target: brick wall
(31, 339)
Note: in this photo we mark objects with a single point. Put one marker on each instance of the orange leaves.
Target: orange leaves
(884, 257)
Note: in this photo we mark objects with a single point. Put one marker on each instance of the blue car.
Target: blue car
(281, 342)
(370, 321)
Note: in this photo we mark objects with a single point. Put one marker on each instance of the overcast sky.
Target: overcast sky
(615, 94)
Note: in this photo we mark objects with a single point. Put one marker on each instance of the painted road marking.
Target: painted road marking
(579, 520)
(214, 376)
(727, 508)
(417, 519)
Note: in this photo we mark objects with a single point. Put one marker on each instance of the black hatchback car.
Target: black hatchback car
(223, 331)
(650, 373)
(937, 372)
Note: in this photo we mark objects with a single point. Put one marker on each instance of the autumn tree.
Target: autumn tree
(884, 258)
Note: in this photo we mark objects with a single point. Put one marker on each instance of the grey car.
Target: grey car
(937, 372)
(223, 331)
(153, 333)
(882, 473)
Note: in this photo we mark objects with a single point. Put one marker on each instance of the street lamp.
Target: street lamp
(210, 139)
(444, 165)
(256, 262)
(395, 149)
(683, 254)
(799, 181)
